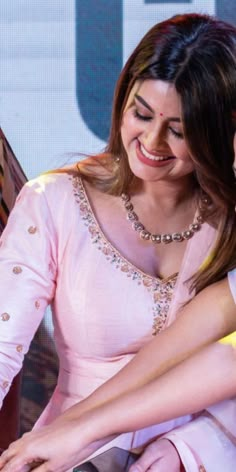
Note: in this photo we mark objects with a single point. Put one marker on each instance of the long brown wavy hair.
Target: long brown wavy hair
(196, 53)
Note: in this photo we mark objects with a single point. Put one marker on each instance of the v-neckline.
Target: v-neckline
(90, 215)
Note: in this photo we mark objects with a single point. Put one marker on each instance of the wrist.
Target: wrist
(91, 426)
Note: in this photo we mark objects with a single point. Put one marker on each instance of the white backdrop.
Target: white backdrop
(38, 108)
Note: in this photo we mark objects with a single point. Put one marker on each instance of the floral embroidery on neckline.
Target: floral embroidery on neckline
(162, 289)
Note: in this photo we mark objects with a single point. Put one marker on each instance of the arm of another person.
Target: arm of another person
(210, 316)
(136, 397)
(208, 442)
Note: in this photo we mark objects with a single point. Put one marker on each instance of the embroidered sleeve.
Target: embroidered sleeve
(27, 277)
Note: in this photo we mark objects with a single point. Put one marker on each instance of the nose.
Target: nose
(154, 138)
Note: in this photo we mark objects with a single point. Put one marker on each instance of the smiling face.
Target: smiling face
(152, 133)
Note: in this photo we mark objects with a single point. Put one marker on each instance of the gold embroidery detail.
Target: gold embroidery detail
(37, 304)
(5, 316)
(32, 229)
(162, 290)
(19, 348)
(162, 298)
(17, 270)
(5, 384)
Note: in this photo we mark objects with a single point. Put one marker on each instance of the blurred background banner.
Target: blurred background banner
(59, 61)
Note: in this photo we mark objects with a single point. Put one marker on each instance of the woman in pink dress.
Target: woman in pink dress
(114, 284)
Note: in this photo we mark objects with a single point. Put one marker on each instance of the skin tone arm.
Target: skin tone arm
(67, 442)
(130, 401)
(141, 407)
(210, 316)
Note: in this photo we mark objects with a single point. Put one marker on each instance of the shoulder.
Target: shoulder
(50, 186)
(49, 195)
(50, 180)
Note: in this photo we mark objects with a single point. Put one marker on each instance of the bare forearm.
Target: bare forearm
(206, 378)
(210, 316)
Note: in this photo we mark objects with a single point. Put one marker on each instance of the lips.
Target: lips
(151, 159)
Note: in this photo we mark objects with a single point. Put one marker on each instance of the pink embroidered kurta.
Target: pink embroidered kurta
(104, 308)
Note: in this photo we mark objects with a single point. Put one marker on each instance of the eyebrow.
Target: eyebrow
(145, 104)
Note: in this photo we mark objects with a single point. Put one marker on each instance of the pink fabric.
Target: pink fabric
(232, 283)
(47, 256)
(201, 443)
(197, 250)
(52, 253)
(225, 415)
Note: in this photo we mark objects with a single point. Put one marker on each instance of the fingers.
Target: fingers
(14, 465)
(159, 456)
(14, 460)
(45, 467)
(7, 455)
(158, 466)
(149, 456)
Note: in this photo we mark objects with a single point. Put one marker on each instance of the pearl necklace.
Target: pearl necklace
(167, 238)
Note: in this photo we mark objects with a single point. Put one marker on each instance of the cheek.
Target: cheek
(123, 135)
(130, 128)
(180, 149)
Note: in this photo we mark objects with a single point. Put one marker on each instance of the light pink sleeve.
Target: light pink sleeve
(232, 283)
(208, 443)
(27, 274)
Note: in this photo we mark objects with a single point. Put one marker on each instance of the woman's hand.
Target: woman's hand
(56, 447)
(159, 456)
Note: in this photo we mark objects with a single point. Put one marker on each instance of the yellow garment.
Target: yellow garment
(207, 260)
(230, 339)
